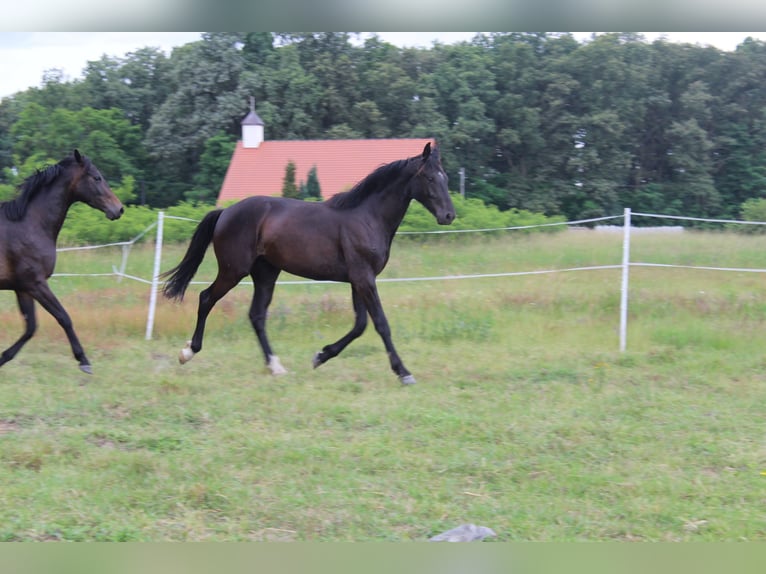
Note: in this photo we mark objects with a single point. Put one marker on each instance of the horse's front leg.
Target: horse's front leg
(360, 324)
(369, 295)
(27, 308)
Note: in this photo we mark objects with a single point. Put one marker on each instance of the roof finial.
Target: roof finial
(252, 104)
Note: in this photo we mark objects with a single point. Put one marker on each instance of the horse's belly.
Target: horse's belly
(318, 270)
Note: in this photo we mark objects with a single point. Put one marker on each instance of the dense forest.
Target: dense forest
(538, 121)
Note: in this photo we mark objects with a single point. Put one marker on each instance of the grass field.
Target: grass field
(526, 417)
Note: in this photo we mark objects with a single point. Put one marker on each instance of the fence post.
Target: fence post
(624, 288)
(155, 276)
(124, 263)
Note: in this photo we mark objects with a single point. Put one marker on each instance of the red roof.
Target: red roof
(340, 164)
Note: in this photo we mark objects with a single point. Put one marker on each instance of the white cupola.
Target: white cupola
(252, 128)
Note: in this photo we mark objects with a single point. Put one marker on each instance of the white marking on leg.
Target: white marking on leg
(186, 354)
(275, 366)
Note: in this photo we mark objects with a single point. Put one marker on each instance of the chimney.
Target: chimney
(252, 128)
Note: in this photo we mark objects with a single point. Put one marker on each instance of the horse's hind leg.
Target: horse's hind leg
(360, 324)
(264, 277)
(43, 294)
(27, 308)
(207, 300)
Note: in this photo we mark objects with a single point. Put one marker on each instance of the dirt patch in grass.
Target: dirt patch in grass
(8, 426)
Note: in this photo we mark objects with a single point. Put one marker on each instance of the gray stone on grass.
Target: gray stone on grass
(464, 533)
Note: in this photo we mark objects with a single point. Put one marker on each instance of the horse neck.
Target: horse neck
(49, 208)
(390, 205)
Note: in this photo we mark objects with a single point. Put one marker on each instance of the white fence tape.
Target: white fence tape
(517, 227)
(625, 266)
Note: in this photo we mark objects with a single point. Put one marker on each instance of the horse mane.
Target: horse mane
(15, 209)
(370, 185)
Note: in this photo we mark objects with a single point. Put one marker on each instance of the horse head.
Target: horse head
(431, 186)
(90, 187)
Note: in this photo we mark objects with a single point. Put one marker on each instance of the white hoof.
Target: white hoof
(275, 366)
(408, 380)
(315, 362)
(186, 354)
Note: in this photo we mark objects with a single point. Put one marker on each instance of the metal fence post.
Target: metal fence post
(624, 288)
(155, 276)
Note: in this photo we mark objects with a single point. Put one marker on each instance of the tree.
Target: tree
(9, 114)
(103, 135)
(137, 84)
(754, 209)
(56, 92)
(539, 121)
(739, 134)
(312, 185)
(288, 97)
(258, 47)
(206, 101)
(214, 162)
(289, 187)
(367, 120)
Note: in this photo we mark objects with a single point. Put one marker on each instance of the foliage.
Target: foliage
(87, 226)
(105, 136)
(312, 188)
(213, 165)
(289, 187)
(538, 121)
(7, 192)
(753, 210)
(472, 213)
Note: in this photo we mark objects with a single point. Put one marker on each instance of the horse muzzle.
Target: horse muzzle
(445, 218)
(113, 213)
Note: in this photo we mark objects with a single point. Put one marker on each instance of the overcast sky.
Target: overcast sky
(25, 56)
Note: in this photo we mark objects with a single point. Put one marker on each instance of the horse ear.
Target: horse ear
(77, 156)
(427, 151)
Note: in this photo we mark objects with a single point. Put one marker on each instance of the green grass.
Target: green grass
(525, 418)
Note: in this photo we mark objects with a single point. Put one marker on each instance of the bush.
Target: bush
(87, 226)
(752, 210)
(472, 213)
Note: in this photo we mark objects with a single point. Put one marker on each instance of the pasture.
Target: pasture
(526, 418)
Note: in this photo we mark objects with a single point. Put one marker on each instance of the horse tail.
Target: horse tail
(181, 275)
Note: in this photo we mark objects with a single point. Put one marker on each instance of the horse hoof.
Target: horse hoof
(407, 380)
(86, 369)
(275, 366)
(316, 361)
(186, 354)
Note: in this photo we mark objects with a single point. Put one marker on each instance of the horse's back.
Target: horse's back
(297, 236)
(276, 213)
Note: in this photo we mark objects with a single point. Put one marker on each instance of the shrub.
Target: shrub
(472, 213)
(86, 226)
(754, 209)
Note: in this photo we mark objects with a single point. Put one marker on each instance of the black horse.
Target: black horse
(29, 227)
(347, 238)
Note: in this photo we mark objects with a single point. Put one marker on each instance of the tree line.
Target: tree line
(539, 121)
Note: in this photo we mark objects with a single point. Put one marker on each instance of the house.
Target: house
(258, 165)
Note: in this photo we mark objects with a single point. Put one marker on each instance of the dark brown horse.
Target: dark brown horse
(347, 238)
(29, 227)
